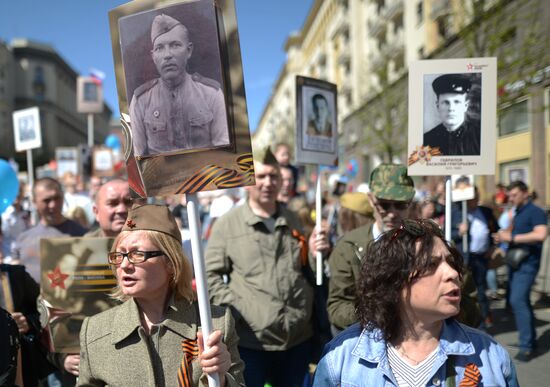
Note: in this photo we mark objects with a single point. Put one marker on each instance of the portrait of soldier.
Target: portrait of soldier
(321, 122)
(177, 110)
(456, 135)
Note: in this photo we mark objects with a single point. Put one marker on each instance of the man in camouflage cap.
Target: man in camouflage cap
(455, 135)
(259, 248)
(177, 111)
(391, 192)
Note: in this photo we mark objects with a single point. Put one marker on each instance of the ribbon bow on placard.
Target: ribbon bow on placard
(471, 376)
(303, 246)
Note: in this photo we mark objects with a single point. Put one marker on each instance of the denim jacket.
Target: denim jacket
(358, 358)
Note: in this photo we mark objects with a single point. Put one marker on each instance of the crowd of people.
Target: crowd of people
(399, 306)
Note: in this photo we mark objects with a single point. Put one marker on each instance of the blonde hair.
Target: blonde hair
(182, 270)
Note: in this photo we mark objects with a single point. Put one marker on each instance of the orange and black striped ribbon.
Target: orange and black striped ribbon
(190, 350)
(303, 246)
(220, 177)
(471, 376)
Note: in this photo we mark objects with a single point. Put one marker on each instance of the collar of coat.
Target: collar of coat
(181, 318)
(251, 218)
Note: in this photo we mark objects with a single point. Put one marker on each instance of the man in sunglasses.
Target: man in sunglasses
(391, 193)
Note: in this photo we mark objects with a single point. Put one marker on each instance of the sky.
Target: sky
(79, 31)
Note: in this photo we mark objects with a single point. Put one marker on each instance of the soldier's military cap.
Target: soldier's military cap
(152, 217)
(356, 201)
(265, 156)
(161, 25)
(391, 182)
(451, 83)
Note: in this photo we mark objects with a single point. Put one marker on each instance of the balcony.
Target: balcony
(393, 8)
(395, 44)
(377, 61)
(376, 26)
(440, 8)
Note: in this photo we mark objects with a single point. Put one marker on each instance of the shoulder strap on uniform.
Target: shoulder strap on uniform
(206, 81)
(146, 86)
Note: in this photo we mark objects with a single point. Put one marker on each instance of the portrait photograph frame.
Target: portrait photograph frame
(208, 159)
(26, 129)
(76, 282)
(89, 92)
(68, 160)
(452, 117)
(316, 122)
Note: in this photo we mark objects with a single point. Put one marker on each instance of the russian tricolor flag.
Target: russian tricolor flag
(97, 76)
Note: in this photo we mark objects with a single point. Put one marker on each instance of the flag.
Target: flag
(97, 76)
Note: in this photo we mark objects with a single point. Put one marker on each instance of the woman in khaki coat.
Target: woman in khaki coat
(153, 337)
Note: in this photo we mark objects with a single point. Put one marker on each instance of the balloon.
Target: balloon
(9, 185)
(112, 141)
(352, 168)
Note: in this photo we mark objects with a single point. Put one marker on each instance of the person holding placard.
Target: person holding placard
(153, 337)
(261, 250)
(390, 196)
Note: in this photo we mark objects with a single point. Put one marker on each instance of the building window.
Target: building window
(514, 119)
(420, 12)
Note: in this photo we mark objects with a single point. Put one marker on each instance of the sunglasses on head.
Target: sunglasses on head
(418, 228)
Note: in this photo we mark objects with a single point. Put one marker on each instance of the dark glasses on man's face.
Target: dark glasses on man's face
(391, 205)
(418, 228)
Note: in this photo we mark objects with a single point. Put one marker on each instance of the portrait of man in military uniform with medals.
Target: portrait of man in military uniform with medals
(178, 110)
(458, 133)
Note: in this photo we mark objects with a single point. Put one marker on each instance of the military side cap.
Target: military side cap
(391, 182)
(265, 156)
(161, 25)
(451, 83)
(356, 201)
(152, 217)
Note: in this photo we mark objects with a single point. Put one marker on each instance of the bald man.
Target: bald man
(111, 207)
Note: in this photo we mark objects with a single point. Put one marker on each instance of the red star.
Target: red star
(469, 66)
(57, 278)
(130, 223)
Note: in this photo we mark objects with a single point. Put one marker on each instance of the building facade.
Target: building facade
(34, 74)
(364, 46)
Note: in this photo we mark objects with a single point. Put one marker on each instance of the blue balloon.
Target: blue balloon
(9, 185)
(112, 141)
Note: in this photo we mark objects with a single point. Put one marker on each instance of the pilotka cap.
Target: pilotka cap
(161, 25)
(152, 217)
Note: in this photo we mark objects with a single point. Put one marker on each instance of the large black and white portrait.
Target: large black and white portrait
(452, 113)
(174, 83)
(452, 116)
(317, 120)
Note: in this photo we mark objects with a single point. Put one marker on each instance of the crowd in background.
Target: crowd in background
(70, 205)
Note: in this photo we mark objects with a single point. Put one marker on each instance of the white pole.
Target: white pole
(465, 221)
(318, 216)
(90, 130)
(448, 204)
(30, 169)
(200, 275)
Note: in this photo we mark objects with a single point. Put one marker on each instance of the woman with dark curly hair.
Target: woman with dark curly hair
(407, 296)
